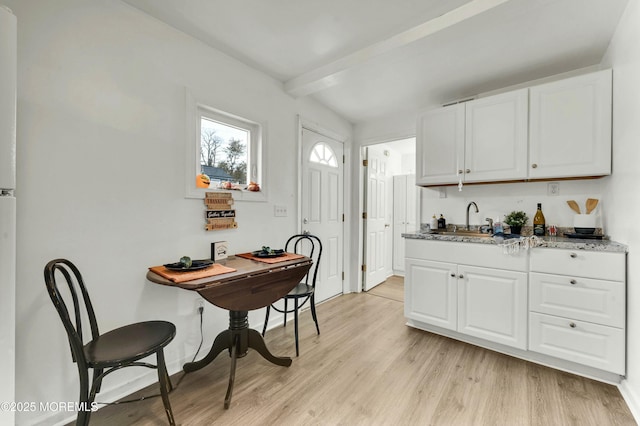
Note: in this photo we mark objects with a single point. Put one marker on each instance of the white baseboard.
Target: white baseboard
(631, 398)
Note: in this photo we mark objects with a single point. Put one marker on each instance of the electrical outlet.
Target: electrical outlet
(280, 211)
(553, 189)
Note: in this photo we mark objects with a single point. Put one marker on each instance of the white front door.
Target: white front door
(322, 206)
(377, 224)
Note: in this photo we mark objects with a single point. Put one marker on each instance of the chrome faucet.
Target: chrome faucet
(468, 207)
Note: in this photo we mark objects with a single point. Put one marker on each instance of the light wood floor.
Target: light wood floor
(368, 368)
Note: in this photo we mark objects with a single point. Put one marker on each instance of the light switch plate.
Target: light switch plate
(280, 211)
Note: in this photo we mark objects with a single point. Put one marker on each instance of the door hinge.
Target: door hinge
(364, 268)
(342, 275)
(343, 159)
(343, 217)
(365, 163)
(364, 215)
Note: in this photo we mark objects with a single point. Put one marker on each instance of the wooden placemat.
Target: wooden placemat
(180, 277)
(283, 258)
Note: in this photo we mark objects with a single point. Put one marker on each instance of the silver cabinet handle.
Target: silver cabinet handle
(572, 324)
(460, 171)
(534, 165)
(573, 255)
(468, 171)
(306, 232)
(460, 276)
(573, 281)
(453, 275)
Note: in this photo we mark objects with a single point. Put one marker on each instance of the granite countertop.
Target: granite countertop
(552, 242)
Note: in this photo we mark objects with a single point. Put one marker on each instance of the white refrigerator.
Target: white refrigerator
(8, 83)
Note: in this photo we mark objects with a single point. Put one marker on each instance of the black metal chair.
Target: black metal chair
(108, 352)
(309, 245)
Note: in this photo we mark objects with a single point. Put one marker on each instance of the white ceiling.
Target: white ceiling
(367, 59)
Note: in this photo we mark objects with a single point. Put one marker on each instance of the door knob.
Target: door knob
(305, 220)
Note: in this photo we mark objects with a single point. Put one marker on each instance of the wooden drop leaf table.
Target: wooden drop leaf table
(253, 285)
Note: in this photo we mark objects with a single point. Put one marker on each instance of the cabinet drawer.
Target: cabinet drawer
(482, 255)
(578, 263)
(597, 301)
(590, 344)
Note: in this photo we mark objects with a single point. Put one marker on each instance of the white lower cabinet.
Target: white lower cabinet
(577, 304)
(432, 296)
(482, 302)
(492, 305)
(563, 308)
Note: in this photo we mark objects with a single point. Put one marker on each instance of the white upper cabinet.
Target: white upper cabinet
(496, 138)
(555, 130)
(477, 141)
(440, 145)
(570, 127)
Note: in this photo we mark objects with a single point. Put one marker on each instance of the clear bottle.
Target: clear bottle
(434, 223)
(539, 225)
(497, 225)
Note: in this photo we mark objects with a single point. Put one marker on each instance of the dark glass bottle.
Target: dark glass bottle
(539, 226)
(442, 223)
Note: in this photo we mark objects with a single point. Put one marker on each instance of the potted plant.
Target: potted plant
(516, 220)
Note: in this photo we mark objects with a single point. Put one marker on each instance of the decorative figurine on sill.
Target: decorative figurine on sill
(202, 181)
(253, 187)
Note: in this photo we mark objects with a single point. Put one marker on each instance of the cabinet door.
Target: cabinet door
(492, 305)
(440, 145)
(570, 127)
(496, 137)
(405, 194)
(430, 292)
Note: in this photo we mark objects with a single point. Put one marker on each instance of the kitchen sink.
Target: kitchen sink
(461, 233)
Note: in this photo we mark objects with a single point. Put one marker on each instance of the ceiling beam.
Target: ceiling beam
(328, 75)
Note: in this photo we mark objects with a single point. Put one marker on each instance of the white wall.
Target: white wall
(621, 192)
(101, 133)
(500, 199)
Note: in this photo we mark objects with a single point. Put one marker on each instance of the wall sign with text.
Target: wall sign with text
(220, 213)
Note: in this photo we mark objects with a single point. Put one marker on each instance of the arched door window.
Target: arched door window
(323, 154)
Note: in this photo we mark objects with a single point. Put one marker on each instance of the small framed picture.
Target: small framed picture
(219, 250)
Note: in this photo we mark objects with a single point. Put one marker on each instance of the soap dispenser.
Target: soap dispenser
(442, 223)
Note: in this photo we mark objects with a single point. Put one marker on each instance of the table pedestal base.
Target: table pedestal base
(237, 339)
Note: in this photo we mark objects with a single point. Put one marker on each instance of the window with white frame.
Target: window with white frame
(224, 152)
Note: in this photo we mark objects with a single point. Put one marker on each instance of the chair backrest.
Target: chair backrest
(310, 246)
(81, 307)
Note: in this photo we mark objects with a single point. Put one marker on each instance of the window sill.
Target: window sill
(238, 195)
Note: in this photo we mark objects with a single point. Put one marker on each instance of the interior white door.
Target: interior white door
(378, 222)
(405, 196)
(322, 206)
